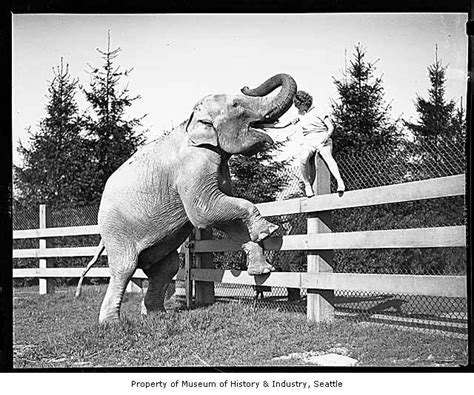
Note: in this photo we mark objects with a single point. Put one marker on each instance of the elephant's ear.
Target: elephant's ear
(201, 131)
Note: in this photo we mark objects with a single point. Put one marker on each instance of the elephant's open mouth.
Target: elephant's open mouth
(257, 126)
(258, 136)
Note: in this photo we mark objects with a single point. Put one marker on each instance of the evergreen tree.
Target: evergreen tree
(440, 134)
(361, 117)
(115, 138)
(365, 135)
(258, 178)
(54, 169)
(439, 119)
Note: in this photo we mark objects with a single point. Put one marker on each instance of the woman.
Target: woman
(316, 138)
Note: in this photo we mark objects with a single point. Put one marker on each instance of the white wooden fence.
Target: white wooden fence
(320, 282)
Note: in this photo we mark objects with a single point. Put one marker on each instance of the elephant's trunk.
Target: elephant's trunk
(272, 109)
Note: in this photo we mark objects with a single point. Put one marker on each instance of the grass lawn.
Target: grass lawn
(55, 331)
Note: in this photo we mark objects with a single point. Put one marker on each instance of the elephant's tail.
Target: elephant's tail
(100, 250)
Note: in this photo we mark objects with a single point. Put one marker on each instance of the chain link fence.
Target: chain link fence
(366, 169)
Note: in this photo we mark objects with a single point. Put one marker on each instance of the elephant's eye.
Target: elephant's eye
(206, 122)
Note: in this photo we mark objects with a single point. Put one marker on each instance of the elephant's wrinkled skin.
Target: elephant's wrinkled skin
(151, 203)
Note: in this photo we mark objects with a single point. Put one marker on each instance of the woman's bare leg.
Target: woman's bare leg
(305, 167)
(326, 154)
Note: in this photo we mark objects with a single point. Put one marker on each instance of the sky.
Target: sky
(177, 58)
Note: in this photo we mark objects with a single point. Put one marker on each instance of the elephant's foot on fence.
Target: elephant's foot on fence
(258, 269)
(260, 229)
(256, 261)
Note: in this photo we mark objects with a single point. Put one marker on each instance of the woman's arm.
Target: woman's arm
(290, 132)
(278, 125)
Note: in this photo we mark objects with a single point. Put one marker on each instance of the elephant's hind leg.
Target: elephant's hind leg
(121, 271)
(159, 275)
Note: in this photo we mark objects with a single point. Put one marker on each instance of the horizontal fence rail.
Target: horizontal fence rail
(63, 252)
(410, 191)
(58, 272)
(449, 236)
(450, 286)
(56, 232)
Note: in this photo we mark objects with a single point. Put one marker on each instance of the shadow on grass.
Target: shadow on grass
(384, 309)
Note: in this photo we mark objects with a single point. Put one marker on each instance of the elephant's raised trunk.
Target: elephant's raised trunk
(272, 109)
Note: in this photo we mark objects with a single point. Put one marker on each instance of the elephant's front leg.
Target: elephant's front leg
(210, 207)
(256, 260)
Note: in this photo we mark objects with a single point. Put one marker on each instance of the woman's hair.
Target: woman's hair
(302, 99)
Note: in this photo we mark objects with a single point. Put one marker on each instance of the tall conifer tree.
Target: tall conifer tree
(361, 117)
(54, 169)
(440, 132)
(439, 119)
(115, 136)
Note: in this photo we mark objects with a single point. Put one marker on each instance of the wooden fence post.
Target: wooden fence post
(320, 303)
(188, 263)
(46, 285)
(204, 290)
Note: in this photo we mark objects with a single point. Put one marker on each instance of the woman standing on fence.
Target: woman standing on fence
(316, 139)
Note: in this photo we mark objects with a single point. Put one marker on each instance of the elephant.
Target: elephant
(151, 203)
